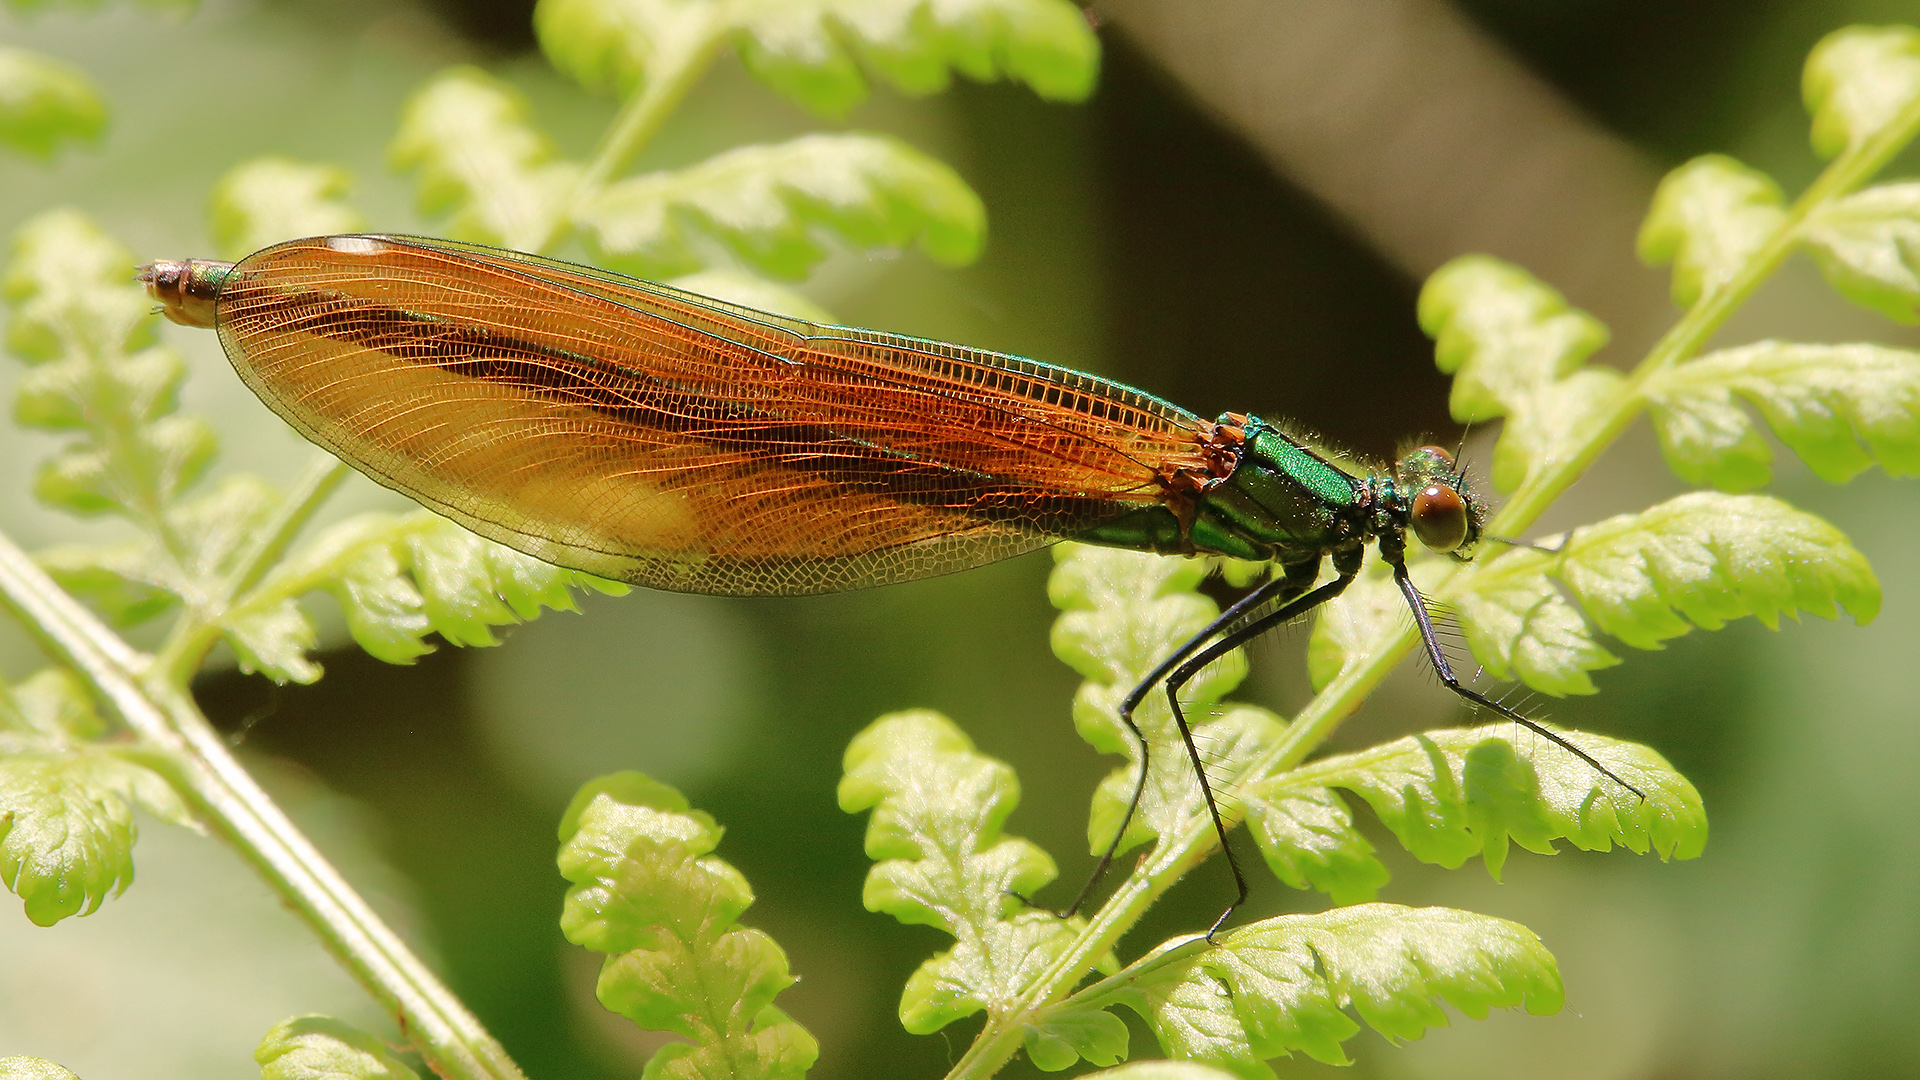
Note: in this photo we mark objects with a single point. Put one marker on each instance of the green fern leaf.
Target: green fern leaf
(814, 51)
(49, 709)
(1868, 246)
(616, 44)
(66, 803)
(203, 537)
(1283, 985)
(1699, 559)
(1067, 1035)
(1708, 219)
(270, 199)
(808, 49)
(322, 1048)
(1516, 349)
(648, 892)
(1858, 83)
(397, 579)
(1450, 795)
(1309, 841)
(1704, 558)
(941, 861)
(478, 157)
(765, 203)
(80, 319)
(1841, 408)
(45, 103)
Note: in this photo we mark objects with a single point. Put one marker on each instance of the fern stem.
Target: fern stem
(1005, 1030)
(198, 628)
(643, 114)
(65, 631)
(322, 477)
(184, 746)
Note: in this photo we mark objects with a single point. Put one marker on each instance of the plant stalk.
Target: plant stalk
(641, 117)
(196, 760)
(198, 628)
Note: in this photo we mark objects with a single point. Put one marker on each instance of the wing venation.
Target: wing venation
(654, 436)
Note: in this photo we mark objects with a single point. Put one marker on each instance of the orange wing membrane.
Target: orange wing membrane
(654, 436)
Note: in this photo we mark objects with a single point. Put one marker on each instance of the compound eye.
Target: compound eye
(1440, 517)
(1437, 455)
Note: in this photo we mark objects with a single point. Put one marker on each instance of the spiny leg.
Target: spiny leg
(1438, 658)
(1186, 672)
(1294, 580)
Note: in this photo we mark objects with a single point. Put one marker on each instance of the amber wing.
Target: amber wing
(650, 435)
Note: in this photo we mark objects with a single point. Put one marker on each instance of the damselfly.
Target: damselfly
(650, 435)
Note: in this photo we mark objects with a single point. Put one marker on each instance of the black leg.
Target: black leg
(1438, 659)
(1185, 673)
(1293, 581)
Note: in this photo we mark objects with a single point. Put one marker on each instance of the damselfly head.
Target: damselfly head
(1442, 511)
(185, 288)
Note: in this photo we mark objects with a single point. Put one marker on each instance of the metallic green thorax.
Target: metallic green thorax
(1284, 500)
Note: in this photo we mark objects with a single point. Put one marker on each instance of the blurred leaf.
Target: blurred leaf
(322, 1048)
(1841, 408)
(1161, 1070)
(1242, 574)
(1284, 984)
(397, 579)
(78, 314)
(44, 103)
(70, 291)
(1867, 245)
(1699, 559)
(1450, 795)
(807, 48)
(479, 159)
(814, 51)
(270, 199)
(1709, 217)
(1516, 349)
(940, 860)
(49, 709)
(169, 6)
(32, 1068)
(1122, 613)
(1858, 82)
(200, 543)
(766, 202)
(749, 290)
(647, 890)
(615, 44)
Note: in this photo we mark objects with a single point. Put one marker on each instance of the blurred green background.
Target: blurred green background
(1238, 219)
